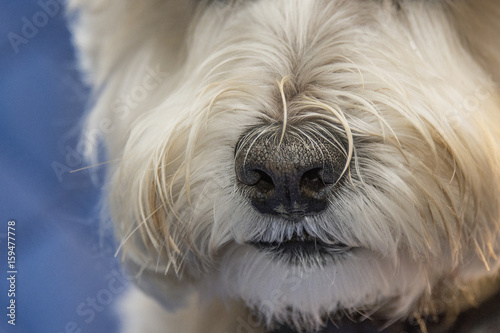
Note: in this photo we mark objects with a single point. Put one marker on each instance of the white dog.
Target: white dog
(288, 163)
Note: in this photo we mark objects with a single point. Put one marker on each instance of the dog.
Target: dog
(287, 165)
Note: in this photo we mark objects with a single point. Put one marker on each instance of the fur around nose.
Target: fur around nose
(289, 176)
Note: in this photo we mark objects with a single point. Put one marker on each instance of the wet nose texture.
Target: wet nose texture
(290, 177)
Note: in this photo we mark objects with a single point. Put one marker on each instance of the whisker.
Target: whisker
(96, 165)
(143, 222)
(281, 85)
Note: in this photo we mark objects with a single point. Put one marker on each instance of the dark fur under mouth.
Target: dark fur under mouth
(298, 249)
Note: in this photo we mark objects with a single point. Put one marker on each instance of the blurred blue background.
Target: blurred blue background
(68, 279)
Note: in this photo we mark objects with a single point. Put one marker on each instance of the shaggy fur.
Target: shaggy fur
(405, 89)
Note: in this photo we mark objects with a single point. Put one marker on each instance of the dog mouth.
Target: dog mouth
(301, 247)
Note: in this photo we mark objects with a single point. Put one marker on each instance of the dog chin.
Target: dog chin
(282, 290)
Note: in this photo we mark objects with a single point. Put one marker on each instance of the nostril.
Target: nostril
(259, 180)
(312, 182)
(265, 184)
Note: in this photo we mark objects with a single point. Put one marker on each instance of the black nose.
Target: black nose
(290, 176)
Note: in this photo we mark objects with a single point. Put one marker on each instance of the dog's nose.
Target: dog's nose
(289, 176)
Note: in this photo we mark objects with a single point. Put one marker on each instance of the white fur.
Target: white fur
(412, 89)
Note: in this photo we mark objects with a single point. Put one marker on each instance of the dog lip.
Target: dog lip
(308, 243)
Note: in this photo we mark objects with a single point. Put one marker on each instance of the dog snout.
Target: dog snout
(289, 176)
